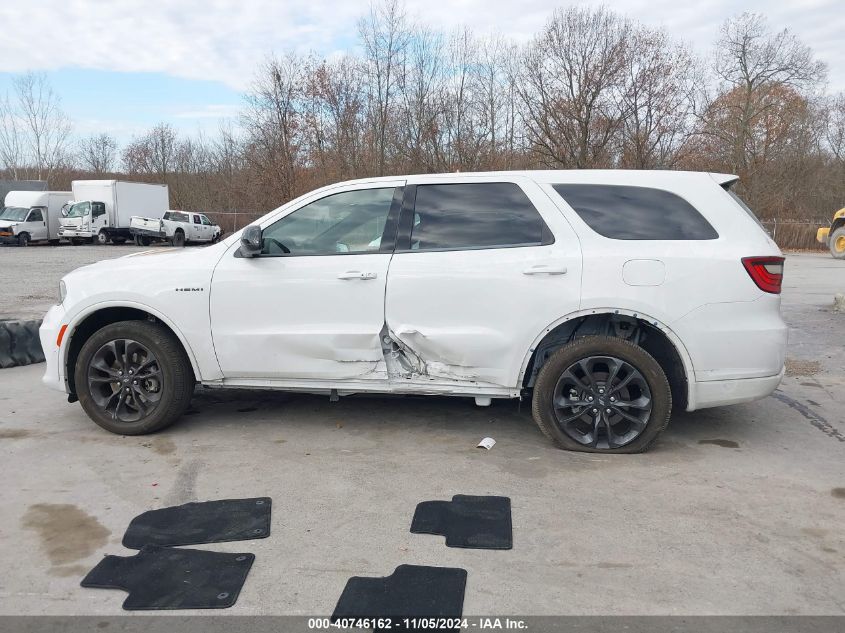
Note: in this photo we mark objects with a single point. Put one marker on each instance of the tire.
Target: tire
(102, 238)
(178, 239)
(136, 239)
(173, 383)
(23, 239)
(836, 243)
(145, 241)
(646, 372)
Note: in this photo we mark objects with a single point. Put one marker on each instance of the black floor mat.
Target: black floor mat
(166, 578)
(205, 522)
(467, 521)
(411, 591)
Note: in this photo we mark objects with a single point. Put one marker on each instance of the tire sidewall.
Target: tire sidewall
(23, 239)
(602, 346)
(840, 232)
(150, 336)
(102, 238)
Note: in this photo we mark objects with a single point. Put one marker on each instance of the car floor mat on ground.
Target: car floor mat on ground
(169, 578)
(411, 591)
(204, 522)
(467, 521)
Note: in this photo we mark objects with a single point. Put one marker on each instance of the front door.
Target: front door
(36, 224)
(311, 306)
(482, 267)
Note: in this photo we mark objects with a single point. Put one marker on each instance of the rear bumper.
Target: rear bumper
(717, 393)
(160, 235)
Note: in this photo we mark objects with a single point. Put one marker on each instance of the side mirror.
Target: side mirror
(251, 242)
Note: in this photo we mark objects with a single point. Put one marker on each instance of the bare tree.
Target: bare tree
(34, 131)
(154, 153)
(384, 34)
(571, 80)
(11, 152)
(657, 102)
(98, 153)
(755, 66)
(273, 125)
(835, 127)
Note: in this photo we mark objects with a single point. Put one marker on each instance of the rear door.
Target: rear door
(482, 267)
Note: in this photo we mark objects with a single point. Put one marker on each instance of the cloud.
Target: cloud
(212, 111)
(225, 40)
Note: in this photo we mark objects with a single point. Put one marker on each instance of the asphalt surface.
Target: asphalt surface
(31, 275)
(735, 511)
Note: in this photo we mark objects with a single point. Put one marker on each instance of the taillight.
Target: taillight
(767, 272)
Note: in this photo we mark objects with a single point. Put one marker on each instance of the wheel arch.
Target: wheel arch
(97, 316)
(652, 335)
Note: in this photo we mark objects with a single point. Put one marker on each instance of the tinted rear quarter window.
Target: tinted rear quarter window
(475, 215)
(636, 213)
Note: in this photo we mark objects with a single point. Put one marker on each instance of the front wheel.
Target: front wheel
(23, 239)
(133, 378)
(602, 394)
(102, 238)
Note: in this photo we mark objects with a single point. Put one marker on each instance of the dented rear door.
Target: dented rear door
(482, 267)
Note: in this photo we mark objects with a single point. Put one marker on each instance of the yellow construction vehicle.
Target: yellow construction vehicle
(834, 236)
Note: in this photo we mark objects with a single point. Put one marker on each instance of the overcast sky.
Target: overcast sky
(123, 65)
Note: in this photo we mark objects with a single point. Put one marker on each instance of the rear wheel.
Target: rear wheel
(23, 239)
(133, 378)
(178, 238)
(602, 394)
(837, 243)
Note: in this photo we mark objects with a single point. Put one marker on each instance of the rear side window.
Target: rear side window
(636, 213)
(477, 215)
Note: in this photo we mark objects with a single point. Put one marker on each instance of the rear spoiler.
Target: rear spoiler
(726, 181)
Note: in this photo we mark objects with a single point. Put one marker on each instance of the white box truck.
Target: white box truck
(101, 209)
(32, 216)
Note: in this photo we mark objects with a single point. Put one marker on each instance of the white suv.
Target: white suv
(607, 296)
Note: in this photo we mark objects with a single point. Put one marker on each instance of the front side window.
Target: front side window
(348, 222)
(35, 216)
(98, 208)
(205, 220)
(475, 215)
(636, 213)
(16, 214)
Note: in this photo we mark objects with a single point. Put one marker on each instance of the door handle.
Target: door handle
(544, 269)
(357, 274)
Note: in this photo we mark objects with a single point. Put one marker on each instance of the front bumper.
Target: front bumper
(72, 233)
(822, 235)
(8, 238)
(53, 354)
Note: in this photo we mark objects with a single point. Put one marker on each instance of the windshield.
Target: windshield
(79, 209)
(18, 214)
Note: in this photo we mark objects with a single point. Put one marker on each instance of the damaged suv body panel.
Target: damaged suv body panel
(467, 304)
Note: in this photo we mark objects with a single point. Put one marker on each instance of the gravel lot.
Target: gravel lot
(738, 510)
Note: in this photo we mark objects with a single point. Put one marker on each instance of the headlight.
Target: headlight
(62, 291)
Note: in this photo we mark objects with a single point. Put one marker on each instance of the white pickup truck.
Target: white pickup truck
(176, 227)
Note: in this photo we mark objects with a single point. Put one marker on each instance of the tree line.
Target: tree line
(592, 89)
